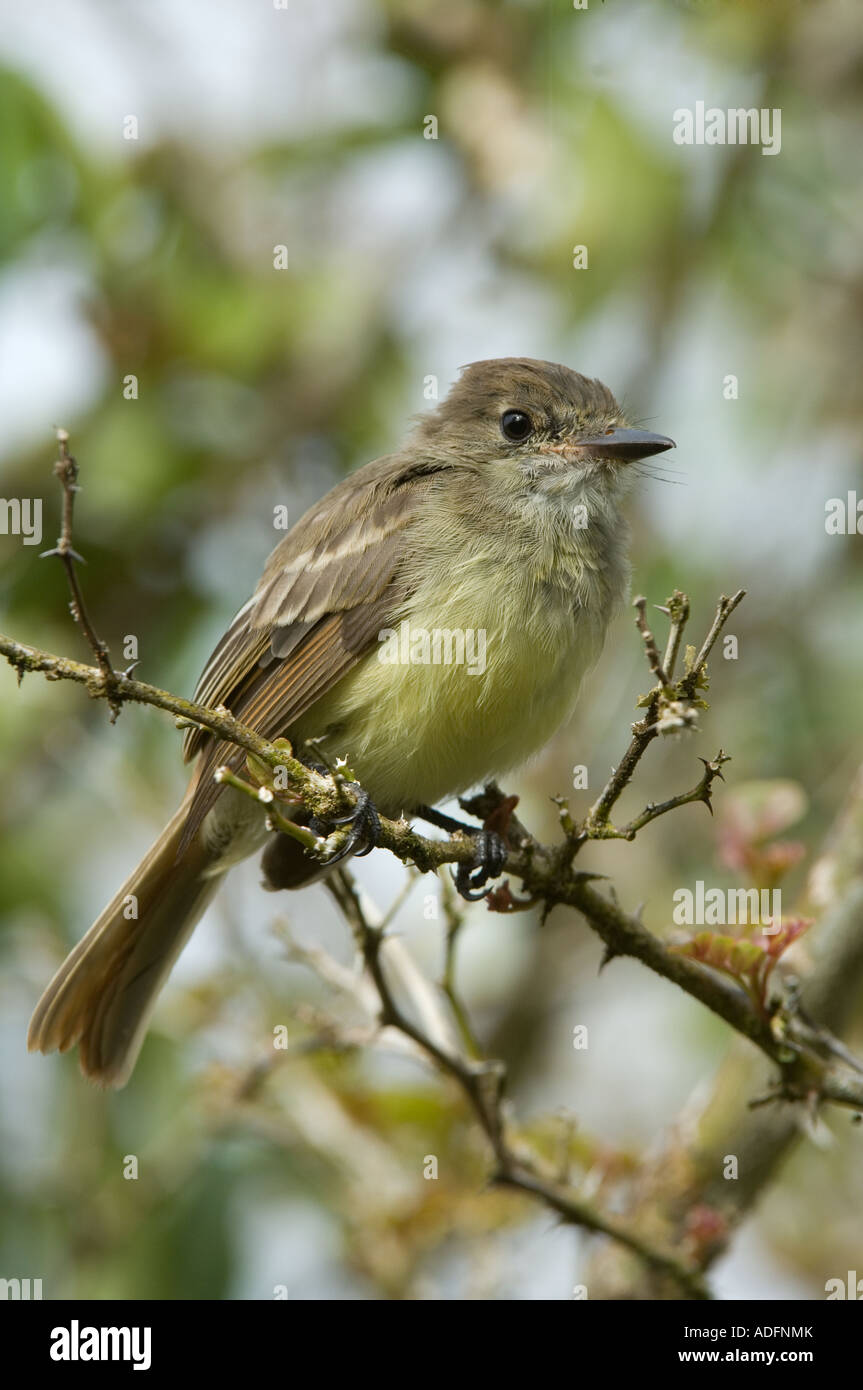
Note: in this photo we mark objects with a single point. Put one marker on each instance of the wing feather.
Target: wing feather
(326, 591)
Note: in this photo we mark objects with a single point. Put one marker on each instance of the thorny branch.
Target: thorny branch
(807, 1068)
(670, 706)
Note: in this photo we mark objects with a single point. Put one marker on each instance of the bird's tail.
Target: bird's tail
(104, 992)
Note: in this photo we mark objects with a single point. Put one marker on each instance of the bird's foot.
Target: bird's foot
(488, 861)
(365, 826)
(489, 858)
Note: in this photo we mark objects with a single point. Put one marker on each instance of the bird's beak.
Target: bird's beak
(621, 445)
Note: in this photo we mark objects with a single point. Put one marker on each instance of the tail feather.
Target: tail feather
(104, 992)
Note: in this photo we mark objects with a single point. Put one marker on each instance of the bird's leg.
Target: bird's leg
(444, 822)
(489, 858)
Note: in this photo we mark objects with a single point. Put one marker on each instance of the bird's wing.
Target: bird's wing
(326, 591)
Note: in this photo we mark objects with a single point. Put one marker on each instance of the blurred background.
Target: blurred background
(307, 127)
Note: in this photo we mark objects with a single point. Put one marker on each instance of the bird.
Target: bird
(500, 515)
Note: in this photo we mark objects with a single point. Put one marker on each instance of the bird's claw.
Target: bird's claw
(365, 826)
(488, 861)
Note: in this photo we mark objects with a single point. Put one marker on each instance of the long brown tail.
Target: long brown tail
(104, 992)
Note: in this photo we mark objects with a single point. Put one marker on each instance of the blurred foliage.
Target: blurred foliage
(259, 387)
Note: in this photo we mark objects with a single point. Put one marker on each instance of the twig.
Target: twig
(677, 609)
(315, 844)
(454, 916)
(700, 792)
(483, 1084)
(66, 469)
(654, 660)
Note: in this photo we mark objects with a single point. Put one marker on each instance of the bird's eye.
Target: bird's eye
(516, 426)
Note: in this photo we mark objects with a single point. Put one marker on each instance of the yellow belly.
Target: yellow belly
(416, 732)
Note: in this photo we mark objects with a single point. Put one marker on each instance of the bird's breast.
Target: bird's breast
(476, 671)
